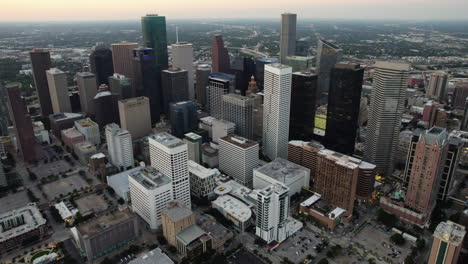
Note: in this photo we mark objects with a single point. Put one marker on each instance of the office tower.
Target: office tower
(194, 146)
(155, 37)
(4, 121)
(3, 179)
(464, 123)
(87, 88)
(252, 92)
(272, 213)
(119, 146)
(459, 95)
(175, 218)
(168, 154)
(287, 36)
(101, 64)
(252, 89)
(299, 63)
(450, 165)
(147, 79)
(219, 55)
(260, 70)
(447, 243)
(182, 57)
(222, 128)
(244, 68)
(121, 86)
(75, 100)
(89, 129)
(25, 139)
(219, 84)
(388, 98)
(344, 101)
(303, 100)
(328, 55)
(135, 116)
(40, 63)
(57, 82)
(437, 87)
(305, 154)
(174, 87)
(238, 157)
(105, 105)
(122, 58)
(183, 116)
(303, 46)
(239, 110)
(202, 74)
(150, 191)
(202, 180)
(61, 121)
(276, 110)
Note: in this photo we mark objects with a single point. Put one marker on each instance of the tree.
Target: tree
(323, 261)
(398, 239)
(121, 201)
(409, 260)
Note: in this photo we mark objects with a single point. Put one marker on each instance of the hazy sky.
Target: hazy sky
(65, 10)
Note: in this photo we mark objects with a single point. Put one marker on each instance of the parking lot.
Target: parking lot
(50, 168)
(91, 203)
(64, 186)
(13, 201)
(303, 243)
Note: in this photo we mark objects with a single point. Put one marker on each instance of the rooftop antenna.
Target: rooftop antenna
(177, 34)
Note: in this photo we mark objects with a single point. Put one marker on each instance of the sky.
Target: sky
(91, 10)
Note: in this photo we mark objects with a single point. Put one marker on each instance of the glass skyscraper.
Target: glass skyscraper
(155, 37)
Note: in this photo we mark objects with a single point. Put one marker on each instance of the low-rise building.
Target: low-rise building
(41, 133)
(235, 210)
(72, 136)
(84, 150)
(222, 128)
(210, 156)
(321, 211)
(119, 183)
(66, 210)
(175, 217)
(193, 241)
(154, 256)
(220, 235)
(61, 121)
(202, 180)
(89, 129)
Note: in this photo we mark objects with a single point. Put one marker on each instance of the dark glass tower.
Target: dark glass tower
(260, 70)
(155, 37)
(183, 116)
(328, 55)
(219, 55)
(344, 101)
(40, 62)
(303, 99)
(174, 87)
(202, 74)
(101, 64)
(105, 104)
(3, 112)
(146, 80)
(243, 68)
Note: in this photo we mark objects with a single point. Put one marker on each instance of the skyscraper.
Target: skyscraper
(260, 70)
(447, 243)
(105, 105)
(344, 101)
(437, 87)
(202, 74)
(219, 55)
(153, 27)
(57, 82)
(135, 116)
(303, 100)
(87, 88)
(119, 145)
(328, 55)
(276, 110)
(120, 85)
(122, 58)
(26, 141)
(101, 64)
(194, 145)
(287, 36)
(239, 110)
(40, 62)
(146, 80)
(4, 121)
(183, 116)
(305, 154)
(174, 87)
(182, 57)
(387, 102)
(168, 154)
(219, 84)
(464, 122)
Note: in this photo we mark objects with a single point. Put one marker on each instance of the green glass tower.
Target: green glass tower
(155, 37)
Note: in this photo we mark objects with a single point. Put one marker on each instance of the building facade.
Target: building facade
(101, 64)
(40, 63)
(219, 55)
(328, 54)
(219, 84)
(287, 36)
(202, 180)
(183, 116)
(447, 243)
(87, 88)
(182, 57)
(174, 87)
(239, 110)
(135, 116)
(194, 146)
(122, 58)
(57, 82)
(119, 145)
(303, 101)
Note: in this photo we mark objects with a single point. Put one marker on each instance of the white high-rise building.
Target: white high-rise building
(239, 110)
(119, 145)
(386, 109)
(58, 90)
(238, 157)
(169, 155)
(276, 108)
(272, 213)
(202, 180)
(150, 191)
(182, 57)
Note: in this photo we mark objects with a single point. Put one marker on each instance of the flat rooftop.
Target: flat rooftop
(239, 141)
(55, 71)
(102, 222)
(19, 221)
(193, 136)
(176, 212)
(167, 140)
(200, 171)
(85, 122)
(450, 232)
(329, 44)
(85, 74)
(150, 178)
(234, 207)
(280, 169)
(64, 116)
(189, 234)
(278, 65)
(71, 132)
(341, 159)
(222, 76)
(155, 256)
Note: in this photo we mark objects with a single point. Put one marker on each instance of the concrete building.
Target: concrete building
(305, 154)
(174, 87)
(437, 87)
(219, 55)
(276, 110)
(120, 183)
(220, 235)
(219, 84)
(150, 191)
(122, 58)
(385, 113)
(194, 147)
(87, 88)
(239, 110)
(322, 211)
(210, 156)
(175, 217)
(460, 93)
(169, 155)
(105, 233)
(328, 54)
(40, 63)
(193, 241)
(41, 134)
(238, 157)
(202, 180)
(3, 179)
(234, 210)
(61, 121)
(121, 86)
(135, 116)
(57, 81)
(21, 226)
(222, 128)
(154, 256)
(447, 243)
(71, 136)
(182, 57)
(282, 171)
(84, 150)
(287, 36)
(119, 145)
(89, 129)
